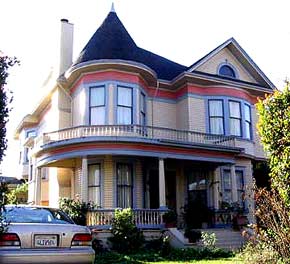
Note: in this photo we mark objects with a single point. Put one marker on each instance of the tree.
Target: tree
(274, 130)
(5, 100)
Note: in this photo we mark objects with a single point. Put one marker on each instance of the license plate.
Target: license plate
(45, 241)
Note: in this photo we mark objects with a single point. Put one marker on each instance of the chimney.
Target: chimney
(66, 45)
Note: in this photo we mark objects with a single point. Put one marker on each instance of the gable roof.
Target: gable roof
(112, 41)
(242, 56)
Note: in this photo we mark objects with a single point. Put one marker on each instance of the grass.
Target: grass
(219, 261)
(156, 258)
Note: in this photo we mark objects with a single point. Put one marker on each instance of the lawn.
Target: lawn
(156, 258)
(221, 261)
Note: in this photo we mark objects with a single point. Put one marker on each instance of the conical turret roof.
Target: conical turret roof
(112, 41)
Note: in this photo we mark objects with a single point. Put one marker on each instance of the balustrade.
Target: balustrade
(137, 131)
(143, 218)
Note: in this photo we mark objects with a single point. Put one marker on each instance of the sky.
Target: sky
(179, 30)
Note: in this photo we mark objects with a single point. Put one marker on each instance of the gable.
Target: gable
(225, 57)
(232, 54)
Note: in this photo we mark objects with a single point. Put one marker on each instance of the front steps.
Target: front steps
(226, 238)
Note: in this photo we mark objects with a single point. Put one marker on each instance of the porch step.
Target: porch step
(225, 238)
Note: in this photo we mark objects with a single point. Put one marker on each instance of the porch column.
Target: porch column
(162, 199)
(234, 184)
(84, 180)
(37, 186)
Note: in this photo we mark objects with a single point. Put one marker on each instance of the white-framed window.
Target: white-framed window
(216, 116)
(97, 105)
(94, 183)
(248, 122)
(240, 187)
(227, 186)
(30, 133)
(142, 109)
(235, 118)
(124, 105)
(124, 185)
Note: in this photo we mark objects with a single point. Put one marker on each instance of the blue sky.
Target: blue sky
(183, 31)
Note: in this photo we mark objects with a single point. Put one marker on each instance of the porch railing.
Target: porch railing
(137, 131)
(143, 218)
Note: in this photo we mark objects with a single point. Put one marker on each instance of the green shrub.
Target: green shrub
(75, 209)
(208, 239)
(126, 236)
(18, 195)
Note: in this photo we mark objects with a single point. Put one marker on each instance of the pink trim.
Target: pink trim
(140, 147)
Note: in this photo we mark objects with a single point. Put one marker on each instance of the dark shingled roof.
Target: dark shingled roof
(112, 41)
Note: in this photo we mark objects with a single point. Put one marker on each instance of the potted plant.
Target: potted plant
(170, 218)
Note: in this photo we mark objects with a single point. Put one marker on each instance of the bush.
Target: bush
(18, 195)
(75, 209)
(208, 239)
(126, 236)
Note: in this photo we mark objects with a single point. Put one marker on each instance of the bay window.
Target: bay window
(124, 185)
(94, 172)
(97, 105)
(143, 110)
(235, 118)
(216, 117)
(240, 187)
(227, 186)
(124, 105)
(248, 125)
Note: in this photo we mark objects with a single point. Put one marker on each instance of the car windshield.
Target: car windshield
(35, 215)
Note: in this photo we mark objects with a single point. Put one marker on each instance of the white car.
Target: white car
(43, 235)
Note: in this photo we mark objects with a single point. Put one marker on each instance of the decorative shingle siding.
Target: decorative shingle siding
(182, 115)
(79, 103)
(138, 184)
(108, 189)
(64, 106)
(164, 114)
(197, 115)
(211, 65)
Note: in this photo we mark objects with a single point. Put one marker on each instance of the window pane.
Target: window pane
(247, 113)
(235, 109)
(94, 195)
(94, 174)
(142, 103)
(124, 115)
(217, 126)
(240, 180)
(215, 108)
(97, 96)
(226, 70)
(124, 185)
(124, 174)
(124, 96)
(235, 127)
(227, 179)
(247, 130)
(143, 119)
(97, 115)
(227, 196)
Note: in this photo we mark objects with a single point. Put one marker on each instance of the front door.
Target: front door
(170, 189)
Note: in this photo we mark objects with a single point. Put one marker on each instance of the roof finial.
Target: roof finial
(113, 8)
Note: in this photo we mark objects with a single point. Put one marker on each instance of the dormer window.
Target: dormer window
(227, 71)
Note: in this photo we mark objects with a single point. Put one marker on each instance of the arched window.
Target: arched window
(228, 71)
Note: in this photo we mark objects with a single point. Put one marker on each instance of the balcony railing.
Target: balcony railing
(143, 218)
(137, 131)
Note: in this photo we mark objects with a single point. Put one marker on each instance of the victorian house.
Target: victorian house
(124, 127)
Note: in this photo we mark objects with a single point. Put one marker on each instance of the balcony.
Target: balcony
(137, 132)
